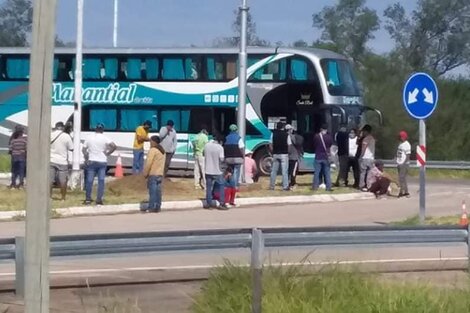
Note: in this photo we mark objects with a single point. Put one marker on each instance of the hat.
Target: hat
(288, 127)
(233, 128)
(403, 135)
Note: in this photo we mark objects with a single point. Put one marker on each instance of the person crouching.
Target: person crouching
(153, 171)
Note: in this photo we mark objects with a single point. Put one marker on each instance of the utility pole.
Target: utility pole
(39, 136)
(76, 177)
(242, 56)
(115, 27)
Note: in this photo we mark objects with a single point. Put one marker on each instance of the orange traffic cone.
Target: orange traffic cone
(118, 172)
(464, 217)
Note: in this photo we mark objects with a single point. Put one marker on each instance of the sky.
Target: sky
(180, 23)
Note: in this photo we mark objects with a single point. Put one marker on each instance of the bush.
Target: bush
(286, 291)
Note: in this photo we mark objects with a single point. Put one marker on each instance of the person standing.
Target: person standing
(322, 144)
(366, 160)
(353, 161)
(169, 142)
(342, 141)
(96, 150)
(153, 171)
(141, 136)
(61, 145)
(295, 154)
(234, 152)
(213, 158)
(199, 143)
(403, 163)
(280, 142)
(18, 151)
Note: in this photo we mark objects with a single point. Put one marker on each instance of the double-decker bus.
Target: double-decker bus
(193, 87)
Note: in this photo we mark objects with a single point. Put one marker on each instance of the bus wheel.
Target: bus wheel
(264, 161)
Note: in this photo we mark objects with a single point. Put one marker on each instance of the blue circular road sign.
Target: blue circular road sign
(420, 95)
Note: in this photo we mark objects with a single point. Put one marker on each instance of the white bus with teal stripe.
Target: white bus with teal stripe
(195, 88)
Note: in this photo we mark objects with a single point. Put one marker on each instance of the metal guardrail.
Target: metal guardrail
(255, 239)
(445, 165)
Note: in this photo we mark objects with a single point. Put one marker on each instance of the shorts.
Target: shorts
(59, 174)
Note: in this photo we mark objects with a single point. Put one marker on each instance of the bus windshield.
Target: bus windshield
(340, 78)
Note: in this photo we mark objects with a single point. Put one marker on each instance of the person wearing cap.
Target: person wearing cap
(153, 171)
(199, 143)
(141, 136)
(96, 150)
(61, 145)
(169, 142)
(296, 152)
(234, 152)
(322, 143)
(280, 142)
(403, 163)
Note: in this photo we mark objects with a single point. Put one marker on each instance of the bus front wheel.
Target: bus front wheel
(264, 161)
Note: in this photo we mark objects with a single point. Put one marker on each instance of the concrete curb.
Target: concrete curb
(5, 175)
(195, 205)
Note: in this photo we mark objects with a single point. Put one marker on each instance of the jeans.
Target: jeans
(365, 166)
(322, 169)
(154, 185)
(212, 182)
(283, 161)
(402, 173)
(343, 170)
(199, 170)
(138, 162)
(93, 169)
(168, 156)
(236, 173)
(18, 172)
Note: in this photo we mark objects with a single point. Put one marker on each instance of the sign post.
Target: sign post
(420, 95)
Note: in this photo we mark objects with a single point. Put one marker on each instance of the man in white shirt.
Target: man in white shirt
(366, 160)
(169, 142)
(97, 148)
(61, 145)
(353, 161)
(403, 163)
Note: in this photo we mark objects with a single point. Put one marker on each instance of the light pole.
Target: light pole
(115, 27)
(242, 56)
(77, 113)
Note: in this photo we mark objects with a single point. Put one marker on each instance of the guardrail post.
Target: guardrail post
(19, 266)
(257, 247)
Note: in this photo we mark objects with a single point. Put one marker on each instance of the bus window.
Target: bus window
(301, 69)
(106, 116)
(130, 119)
(151, 68)
(173, 69)
(192, 68)
(340, 78)
(17, 67)
(91, 68)
(275, 71)
(179, 117)
(132, 68)
(110, 68)
(221, 68)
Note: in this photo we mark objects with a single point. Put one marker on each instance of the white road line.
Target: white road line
(207, 266)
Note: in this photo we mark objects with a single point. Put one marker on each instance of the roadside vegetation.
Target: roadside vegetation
(441, 220)
(228, 290)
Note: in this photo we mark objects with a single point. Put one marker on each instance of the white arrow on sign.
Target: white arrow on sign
(412, 96)
(428, 96)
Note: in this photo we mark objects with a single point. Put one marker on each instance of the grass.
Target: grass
(228, 290)
(4, 163)
(133, 189)
(441, 220)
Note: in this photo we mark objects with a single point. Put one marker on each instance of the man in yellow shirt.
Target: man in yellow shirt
(153, 171)
(141, 136)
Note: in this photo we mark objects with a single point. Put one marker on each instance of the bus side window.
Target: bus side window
(93, 116)
(17, 67)
(199, 118)
(130, 119)
(173, 69)
(92, 68)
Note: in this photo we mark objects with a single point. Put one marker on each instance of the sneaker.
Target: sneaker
(155, 211)
(223, 207)
(234, 205)
(87, 202)
(207, 207)
(99, 202)
(364, 190)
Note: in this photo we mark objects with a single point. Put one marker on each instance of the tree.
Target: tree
(16, 18)
(252, 38)
(436, 37)
(348, 26)
(300, 44)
